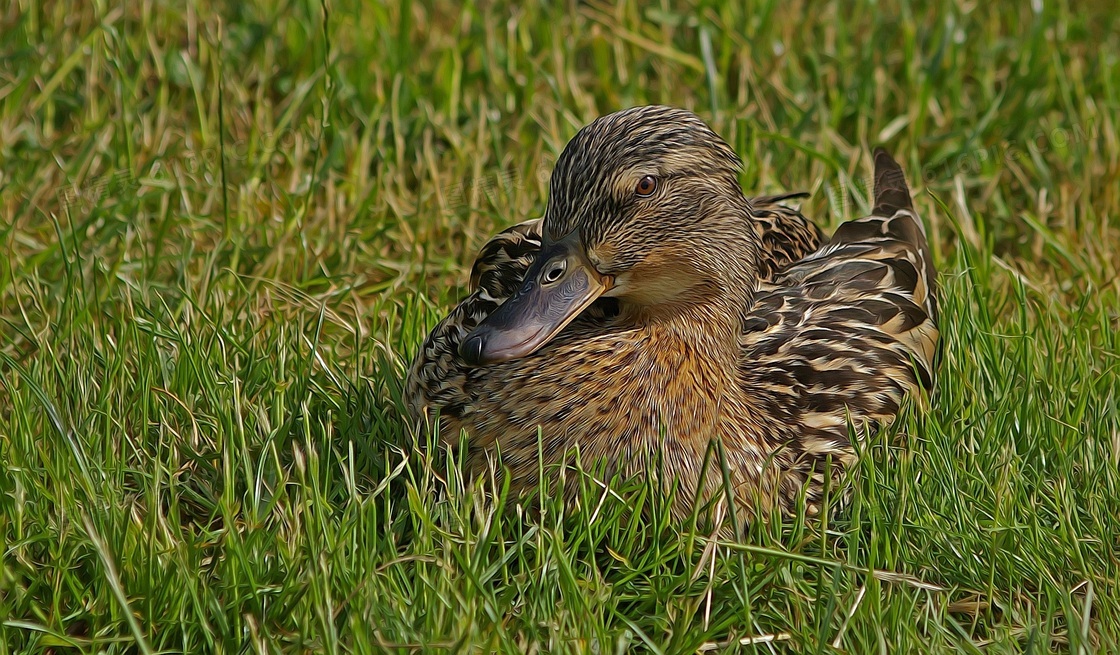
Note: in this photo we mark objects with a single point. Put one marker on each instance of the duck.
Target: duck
(655, 313)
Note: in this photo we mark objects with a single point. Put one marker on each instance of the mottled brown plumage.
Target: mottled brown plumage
(640, 326)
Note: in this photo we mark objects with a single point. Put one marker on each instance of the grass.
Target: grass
(228, 227)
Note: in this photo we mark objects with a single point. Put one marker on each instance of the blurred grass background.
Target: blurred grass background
(228, 226)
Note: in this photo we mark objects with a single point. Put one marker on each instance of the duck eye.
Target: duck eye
(646, 186)
(554, 272)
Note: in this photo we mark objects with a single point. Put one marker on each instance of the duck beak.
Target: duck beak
(559, 285)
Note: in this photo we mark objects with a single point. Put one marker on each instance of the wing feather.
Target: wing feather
(846, 332)
(437, 378)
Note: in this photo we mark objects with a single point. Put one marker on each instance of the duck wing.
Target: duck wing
(436, 380)
(844, 333)
(785, 235)
(499, 269)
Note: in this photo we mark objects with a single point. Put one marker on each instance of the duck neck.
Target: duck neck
(703, 319)
(706, 329)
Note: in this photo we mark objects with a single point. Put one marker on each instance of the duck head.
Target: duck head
(644, 206)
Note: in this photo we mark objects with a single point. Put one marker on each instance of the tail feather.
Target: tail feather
(891, 192)
(892, 235)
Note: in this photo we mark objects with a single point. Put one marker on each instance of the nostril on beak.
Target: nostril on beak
(471, 350)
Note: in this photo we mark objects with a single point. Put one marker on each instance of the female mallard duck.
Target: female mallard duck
(654, 309)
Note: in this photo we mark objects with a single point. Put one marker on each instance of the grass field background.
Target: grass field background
(227, 227)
